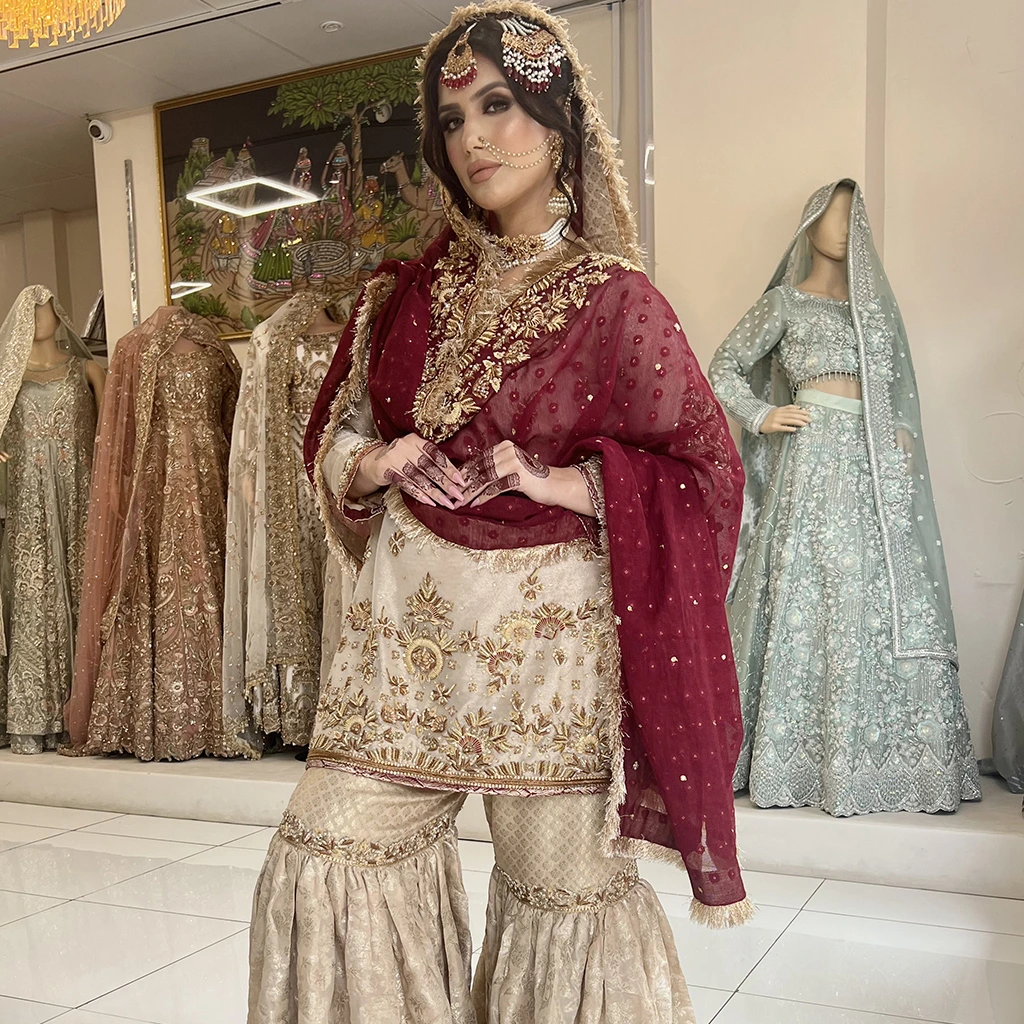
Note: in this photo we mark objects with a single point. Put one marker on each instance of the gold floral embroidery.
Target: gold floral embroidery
(416, 721)
(362, 852)
(467, 363)
(585, 900)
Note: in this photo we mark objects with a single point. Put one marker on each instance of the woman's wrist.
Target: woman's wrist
(567, 487)
(364, 480)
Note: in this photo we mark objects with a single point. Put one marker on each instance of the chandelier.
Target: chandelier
(54, 20)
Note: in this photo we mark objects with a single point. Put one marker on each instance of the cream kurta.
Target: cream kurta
(466, 670)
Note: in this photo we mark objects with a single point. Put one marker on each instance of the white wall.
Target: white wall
(12, 264)
(923, 102)
(59, 250)
(134, 138)
(955, 253)
(755, 106)
(85, 275)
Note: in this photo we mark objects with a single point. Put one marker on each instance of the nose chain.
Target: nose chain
(546, 148)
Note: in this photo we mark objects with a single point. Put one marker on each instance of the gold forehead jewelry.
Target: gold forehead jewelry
(531, 54)
(459, 69)
(546, 149)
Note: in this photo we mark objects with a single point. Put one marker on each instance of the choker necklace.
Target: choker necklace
(522, 249)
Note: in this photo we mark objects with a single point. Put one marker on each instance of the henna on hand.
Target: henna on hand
(506, 483)
(480, 471)
(533, 465)
(409, 486)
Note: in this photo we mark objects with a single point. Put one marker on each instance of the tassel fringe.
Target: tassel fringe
(730, 916)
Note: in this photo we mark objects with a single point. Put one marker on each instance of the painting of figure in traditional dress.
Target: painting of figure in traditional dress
(346, 136)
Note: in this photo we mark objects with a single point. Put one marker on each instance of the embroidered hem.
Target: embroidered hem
(425, 778)
(564, 900)
(363, 853)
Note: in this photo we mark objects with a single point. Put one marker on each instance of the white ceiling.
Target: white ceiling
(162, 49)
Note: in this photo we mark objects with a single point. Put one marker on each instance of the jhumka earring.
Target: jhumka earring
(459, 68)
(558, 202)
(531, 54)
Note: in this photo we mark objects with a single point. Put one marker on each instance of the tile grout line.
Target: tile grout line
(771, 945)
(832, 1006)
(117, 988)
(914, 924)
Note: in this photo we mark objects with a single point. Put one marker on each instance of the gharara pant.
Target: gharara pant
(360, 916)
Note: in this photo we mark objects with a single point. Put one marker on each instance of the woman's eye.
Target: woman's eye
(449, 125)
(497, 106)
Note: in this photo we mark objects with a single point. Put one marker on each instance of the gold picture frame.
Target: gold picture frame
(346, 133)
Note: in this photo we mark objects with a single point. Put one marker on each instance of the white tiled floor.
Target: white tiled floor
(123, 919)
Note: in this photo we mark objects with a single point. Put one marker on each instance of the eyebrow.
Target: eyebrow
(448, 107)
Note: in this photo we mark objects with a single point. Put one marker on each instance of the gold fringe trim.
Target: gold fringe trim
(732, 915)
(508, 560)
(378, 290)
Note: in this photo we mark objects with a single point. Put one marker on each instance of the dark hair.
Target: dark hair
(549, 108)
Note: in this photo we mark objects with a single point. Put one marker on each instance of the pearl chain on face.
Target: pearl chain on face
(545, 149)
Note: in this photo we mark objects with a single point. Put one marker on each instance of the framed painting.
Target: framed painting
(343, 139)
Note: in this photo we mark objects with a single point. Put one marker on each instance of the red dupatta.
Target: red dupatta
(590, 360)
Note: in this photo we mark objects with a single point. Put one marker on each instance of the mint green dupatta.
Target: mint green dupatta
(914, 559)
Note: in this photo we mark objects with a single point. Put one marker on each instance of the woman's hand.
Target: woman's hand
(416, 466)
(501, 469)
(506, 467)
(786, 419)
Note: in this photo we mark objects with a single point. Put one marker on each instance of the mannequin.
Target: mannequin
(46, 451)
(148, 647)
(276, 554)
(839, 606)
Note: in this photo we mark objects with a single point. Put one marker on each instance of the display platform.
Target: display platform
(979, 850)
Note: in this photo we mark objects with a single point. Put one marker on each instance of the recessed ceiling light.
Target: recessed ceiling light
(332, 26)
(291, 196)
(179, 289)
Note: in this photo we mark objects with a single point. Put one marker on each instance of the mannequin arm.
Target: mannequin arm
(729, 373)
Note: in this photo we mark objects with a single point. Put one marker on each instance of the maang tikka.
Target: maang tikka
(531, 54)
(459, 69)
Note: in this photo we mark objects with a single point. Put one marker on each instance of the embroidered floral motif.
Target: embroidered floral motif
(429, 688)
(362, 852)
(544, 898)
(471, 354)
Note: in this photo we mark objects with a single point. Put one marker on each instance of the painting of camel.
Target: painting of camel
(346, 136)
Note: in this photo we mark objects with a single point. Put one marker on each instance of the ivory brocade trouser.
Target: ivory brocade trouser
(360, 916)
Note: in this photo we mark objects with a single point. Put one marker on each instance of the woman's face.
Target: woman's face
(486, 112)
(829, 234)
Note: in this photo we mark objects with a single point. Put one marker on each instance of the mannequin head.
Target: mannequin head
(47, 321)
(829, 234)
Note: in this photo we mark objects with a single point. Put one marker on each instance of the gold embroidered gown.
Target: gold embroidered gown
(276, 547)
(49, 437)
(158, 690)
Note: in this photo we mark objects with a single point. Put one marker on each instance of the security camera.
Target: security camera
(100, 131)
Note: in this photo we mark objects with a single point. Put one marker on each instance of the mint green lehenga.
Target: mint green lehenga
(840, 610)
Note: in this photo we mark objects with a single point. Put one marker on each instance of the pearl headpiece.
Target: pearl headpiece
(531, 54)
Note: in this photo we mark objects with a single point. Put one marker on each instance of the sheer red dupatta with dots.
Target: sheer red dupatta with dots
(591, 360)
